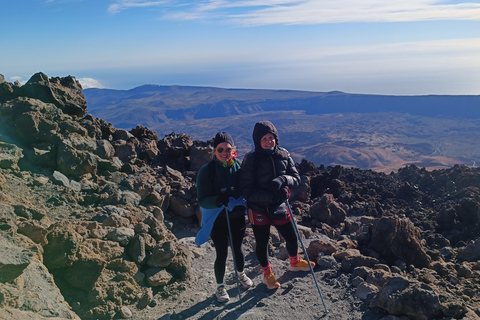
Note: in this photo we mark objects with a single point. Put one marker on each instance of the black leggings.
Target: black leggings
(220, 237)
(262, 235)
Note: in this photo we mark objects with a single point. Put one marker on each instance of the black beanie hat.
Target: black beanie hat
(222, 136)
(261, 129)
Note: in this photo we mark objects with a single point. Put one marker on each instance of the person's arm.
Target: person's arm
(292, 178)
(289, 177)
(205, 197)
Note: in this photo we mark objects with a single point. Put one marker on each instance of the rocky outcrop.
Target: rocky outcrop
(402, 297)
(112, 242)
(398, 239)
(26, 283)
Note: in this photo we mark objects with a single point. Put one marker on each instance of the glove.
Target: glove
(283, 194)
(276, 184)
(222, 200)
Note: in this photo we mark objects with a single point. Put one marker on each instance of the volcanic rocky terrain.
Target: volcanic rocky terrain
(99, 223)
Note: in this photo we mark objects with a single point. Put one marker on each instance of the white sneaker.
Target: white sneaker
(222, 294)
(245, 281)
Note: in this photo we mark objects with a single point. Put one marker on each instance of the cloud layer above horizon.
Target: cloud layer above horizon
(371, 46)
(258, 13)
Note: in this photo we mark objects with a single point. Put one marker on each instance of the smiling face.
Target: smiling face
(268, 141)
(224, 151)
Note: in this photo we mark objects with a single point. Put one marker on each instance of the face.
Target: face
(268, 141)
(226, 151)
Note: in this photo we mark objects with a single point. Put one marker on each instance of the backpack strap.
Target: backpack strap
(211, 170)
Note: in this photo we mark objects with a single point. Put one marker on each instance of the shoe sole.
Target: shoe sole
(222, 301)
(247, 287)
(271, 287)
(290, 268)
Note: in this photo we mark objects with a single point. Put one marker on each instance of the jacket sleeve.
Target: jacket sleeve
(292, 177)
(205, 197)
(251, 190)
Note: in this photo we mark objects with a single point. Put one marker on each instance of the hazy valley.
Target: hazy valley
(366, 131)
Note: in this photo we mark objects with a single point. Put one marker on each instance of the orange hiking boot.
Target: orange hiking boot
(270, 281)
(301, 265)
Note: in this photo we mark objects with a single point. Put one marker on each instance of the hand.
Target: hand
(283, 194)
(276, 184)
(222, 200)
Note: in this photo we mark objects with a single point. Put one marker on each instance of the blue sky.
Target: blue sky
(402, 47)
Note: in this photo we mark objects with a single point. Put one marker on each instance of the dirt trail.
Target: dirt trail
(297, 297)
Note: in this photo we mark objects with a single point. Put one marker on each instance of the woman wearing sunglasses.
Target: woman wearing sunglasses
(268, 173)
(217, 191)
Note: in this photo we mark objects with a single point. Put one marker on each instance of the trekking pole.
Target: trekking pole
(306, 255)
(233, 254)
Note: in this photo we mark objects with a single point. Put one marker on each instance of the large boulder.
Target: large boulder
(10, 154)
(65, 93)
(200, 154)
(105, 149)
(85, 266)
(327, 210)
(174, 151)
(27, 289)
(16, 253)
(163, 254)
(398, 239)
(74, 162)
(403, 297)
(6, 89)
(471, 252)
(35, 121)
(34, 295)
(181, 264)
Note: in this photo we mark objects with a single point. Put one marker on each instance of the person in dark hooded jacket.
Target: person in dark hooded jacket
(268, 173)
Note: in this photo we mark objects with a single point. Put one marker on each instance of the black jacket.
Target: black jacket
(258, 169)
(225, 179)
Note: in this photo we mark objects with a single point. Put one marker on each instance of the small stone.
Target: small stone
(125, 312)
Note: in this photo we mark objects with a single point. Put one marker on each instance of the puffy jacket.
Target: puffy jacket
(226, 179)
(258, 169)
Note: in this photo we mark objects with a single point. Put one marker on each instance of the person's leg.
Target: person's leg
(262, 235)
(219, 235)
(288, 233)
(238, 233)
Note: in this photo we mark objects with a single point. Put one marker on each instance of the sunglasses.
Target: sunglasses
(220, 150)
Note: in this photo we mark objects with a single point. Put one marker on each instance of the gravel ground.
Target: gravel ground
(298, 296)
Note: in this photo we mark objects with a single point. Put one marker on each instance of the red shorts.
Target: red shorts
(260, 219)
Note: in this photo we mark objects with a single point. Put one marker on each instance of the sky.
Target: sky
(393, 47)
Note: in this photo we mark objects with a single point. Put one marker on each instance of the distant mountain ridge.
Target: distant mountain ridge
(205, 102)
(324, 127)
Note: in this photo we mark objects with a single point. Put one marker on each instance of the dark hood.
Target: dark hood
(261, 129)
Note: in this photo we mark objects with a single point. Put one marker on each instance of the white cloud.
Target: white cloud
(322, 11)
(18, 78)
(90, 83)
(270, 12)
(121, 5)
